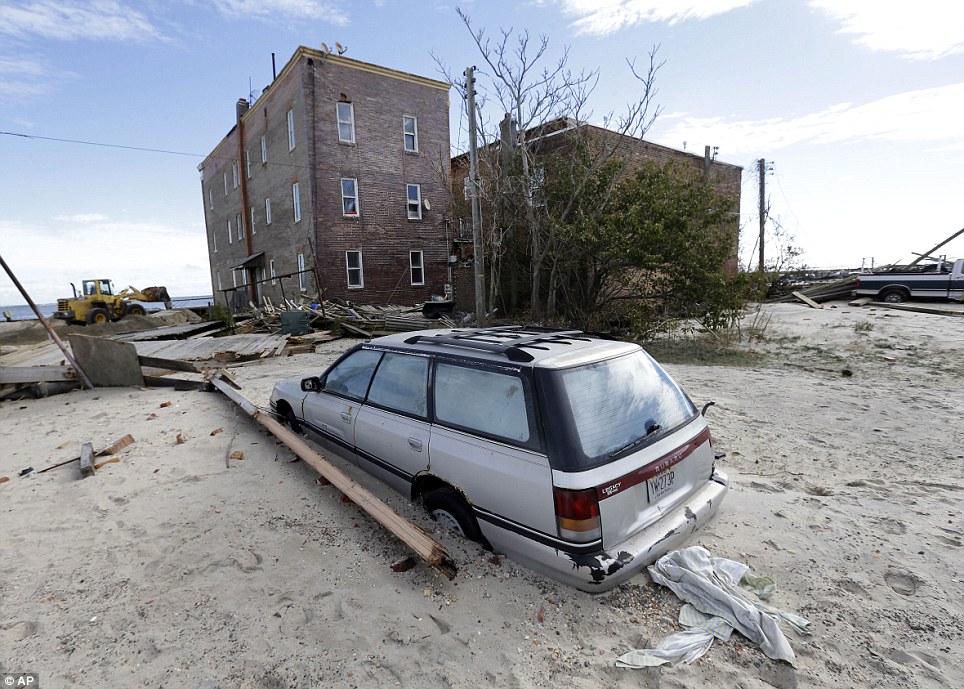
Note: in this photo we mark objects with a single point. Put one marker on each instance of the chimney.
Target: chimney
(242, 107)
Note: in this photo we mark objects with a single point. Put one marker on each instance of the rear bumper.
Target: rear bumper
(604, 569)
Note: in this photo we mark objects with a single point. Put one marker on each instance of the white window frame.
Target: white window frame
(235, 175)
(253, 230)
(247, 162)
(412, 267)
(220, 286)
(360, 269)
(234, 278)
(225, 182)
(264, 150)
(413, 135)
(240, 223)
(349, 121)
(416, 212)
(291, 130)
(214, 239)
(344, 196)
(230, 233)
(296, 200)
(267, 210)
(274, 273)
(302, 281)
(210, 199)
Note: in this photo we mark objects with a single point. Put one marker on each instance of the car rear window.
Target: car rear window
(603, 408)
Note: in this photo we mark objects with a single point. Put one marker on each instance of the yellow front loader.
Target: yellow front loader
(97, 303)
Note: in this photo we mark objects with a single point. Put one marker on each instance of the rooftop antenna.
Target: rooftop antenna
(325, 49)
(340, 48)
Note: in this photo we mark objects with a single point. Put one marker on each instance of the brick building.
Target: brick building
(330, 183)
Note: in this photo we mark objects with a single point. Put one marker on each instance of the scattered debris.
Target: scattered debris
(237, 454)
(403, 565)
(181, 439)
(118, 445)
(165, 404)
(87, 460)
(217, 430)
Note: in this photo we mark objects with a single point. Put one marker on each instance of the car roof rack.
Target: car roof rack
(509, 340)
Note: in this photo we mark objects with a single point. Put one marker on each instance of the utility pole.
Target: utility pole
(477, 247)
(762, 170)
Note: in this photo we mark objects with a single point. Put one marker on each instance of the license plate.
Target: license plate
(660, 485)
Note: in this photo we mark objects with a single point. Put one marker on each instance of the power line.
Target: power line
(101, 144)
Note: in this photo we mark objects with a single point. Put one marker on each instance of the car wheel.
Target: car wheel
(98, 316)
(449, 509)
(290, 419)
(893, 296)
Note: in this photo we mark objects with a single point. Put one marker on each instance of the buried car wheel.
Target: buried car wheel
(893, 296)
(288, 416)
(449, 509)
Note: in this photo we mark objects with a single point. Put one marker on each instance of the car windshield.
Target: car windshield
(615, 406)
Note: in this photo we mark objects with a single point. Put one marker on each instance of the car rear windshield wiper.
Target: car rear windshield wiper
(655, 428)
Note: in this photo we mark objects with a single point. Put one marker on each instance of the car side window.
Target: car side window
(351, 376)
(489, 402)
(401, 384)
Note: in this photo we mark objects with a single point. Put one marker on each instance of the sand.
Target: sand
(180, 567)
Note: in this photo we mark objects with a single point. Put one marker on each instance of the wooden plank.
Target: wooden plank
(176, 383)
(118, 445)
(356, 331)
(35, 374)
(413, 536)
(807, 300)
(949, 310)
(171, 364)
(87, 460)
(108, 363)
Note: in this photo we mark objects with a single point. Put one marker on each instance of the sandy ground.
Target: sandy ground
(180, 567)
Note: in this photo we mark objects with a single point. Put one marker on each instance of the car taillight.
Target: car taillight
(858, 283)
(577, 514)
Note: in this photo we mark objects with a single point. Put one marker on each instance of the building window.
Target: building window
(410, 130)
(349, 196)
(346, 122)
(296, 200)
(252, 220)
(230, 233)
(214, 238)
(356, 277)
(210, 199)
(274, 274)
(414, 202)
(416, 264)
(302, 283)
(264, 150)
(225, 183)
(237, 219)
(234, 278)
(267, 211)
(220, 287)
(291, 130)
(247, 162)
(234, 174)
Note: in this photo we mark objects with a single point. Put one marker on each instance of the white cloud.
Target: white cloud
(922, 30)
(283, 9)
(22, 78)
(72, 20)
(603, 17)
(82, 218)
(927, 115)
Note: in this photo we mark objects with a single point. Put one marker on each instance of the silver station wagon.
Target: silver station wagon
(576, 456)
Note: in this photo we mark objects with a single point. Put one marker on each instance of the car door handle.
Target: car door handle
(346, 416)
(415, 444)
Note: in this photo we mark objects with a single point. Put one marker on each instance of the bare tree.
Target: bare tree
(539, 95)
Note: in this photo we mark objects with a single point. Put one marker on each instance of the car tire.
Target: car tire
(449, 509)
(291, 420)
(893, 296)
(98, 316)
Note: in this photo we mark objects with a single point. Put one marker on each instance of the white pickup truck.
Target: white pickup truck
(945, 281)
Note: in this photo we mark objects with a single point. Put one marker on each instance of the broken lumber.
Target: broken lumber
(413, 536)
(807, 300)
(35, 374)
(87, 460)
(118, 445)
(863, 301)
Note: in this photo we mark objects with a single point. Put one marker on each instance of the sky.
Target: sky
(856, 105)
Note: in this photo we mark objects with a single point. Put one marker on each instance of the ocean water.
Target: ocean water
(22, 312)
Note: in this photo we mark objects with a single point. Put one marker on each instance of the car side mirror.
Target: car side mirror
(312, 384)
